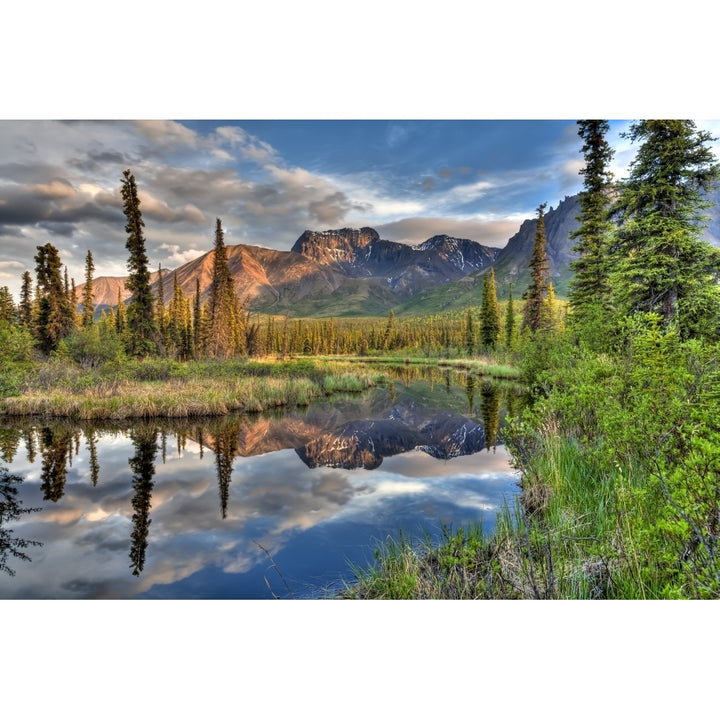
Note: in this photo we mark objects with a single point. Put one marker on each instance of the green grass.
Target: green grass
(161, 388)
(478, 366)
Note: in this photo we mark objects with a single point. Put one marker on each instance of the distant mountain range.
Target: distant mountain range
(351, 272)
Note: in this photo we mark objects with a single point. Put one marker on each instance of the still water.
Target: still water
(273, 505)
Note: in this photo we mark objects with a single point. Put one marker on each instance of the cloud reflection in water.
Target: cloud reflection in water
(313, 521)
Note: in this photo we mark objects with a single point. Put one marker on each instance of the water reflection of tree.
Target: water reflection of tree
(142, 464)
(10, 509)
(91, 441)
(56, 447)
(9, 442)
(490, 410)
(30, 438)
(226, 443)
(470, 391)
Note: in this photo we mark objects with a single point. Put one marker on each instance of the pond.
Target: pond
(272, 505)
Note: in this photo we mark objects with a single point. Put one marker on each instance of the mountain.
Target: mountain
(351, 272)
(402, 268)
(364, 443)
(511, 265)
(333, 273)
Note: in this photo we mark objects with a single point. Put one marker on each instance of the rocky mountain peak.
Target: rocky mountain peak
(345, 240)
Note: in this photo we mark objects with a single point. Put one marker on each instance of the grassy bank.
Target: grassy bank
(166, 388)
(620, 465)
(484, 367)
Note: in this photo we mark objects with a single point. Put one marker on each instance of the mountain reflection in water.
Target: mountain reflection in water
(188, 509)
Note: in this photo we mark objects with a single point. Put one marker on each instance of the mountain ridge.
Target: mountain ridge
(354, 272)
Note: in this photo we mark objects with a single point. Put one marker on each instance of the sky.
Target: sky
(270, 180)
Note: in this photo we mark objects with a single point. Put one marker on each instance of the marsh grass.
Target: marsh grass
(170, 389)
(478, 366)
(572, 534)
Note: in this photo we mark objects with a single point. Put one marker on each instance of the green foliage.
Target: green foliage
(629, 442)
(94, 345)
(662, 264)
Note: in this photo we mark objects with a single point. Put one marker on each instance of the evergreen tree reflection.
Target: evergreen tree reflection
(490, 410)
(142, 465)
(10, 509)
(30, 438)
(91, 441)
(56, 446)
(470, 391)
(226, 442)
(9, 442)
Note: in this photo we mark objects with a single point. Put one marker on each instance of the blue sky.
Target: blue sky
(270, 180)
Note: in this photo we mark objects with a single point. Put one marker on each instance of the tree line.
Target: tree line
(185, 328)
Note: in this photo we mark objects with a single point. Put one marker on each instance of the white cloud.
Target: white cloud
(178, 256)
(167, 133)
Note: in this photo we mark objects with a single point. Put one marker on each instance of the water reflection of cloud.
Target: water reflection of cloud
(271, 499)
(420, 464)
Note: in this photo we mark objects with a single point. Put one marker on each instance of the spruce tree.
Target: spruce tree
(223, 306)
(539, 276)
(198, 332)
(489, 312)
(389, 334)
(510, 321)
(666, 268)
(88, 296)
(8, 312)
(178, 325)
(469, 333)
(142, 329)
(589, 294)
(160, 313)
(120, 316)
(26, 300)
(55, 317)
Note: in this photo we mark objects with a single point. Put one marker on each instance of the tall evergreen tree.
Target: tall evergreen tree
(666, 268)
(142, 330)
(55, 316)
(120, 315)
(8, 311)
(88, 295)
(160, 312)
(388, 335)
(589, 294)
(510, 321)
(539, 276)
(489, 312)
(223, 306)
(198, 334)
(26, 300)
(179, 325)
(469, 333)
